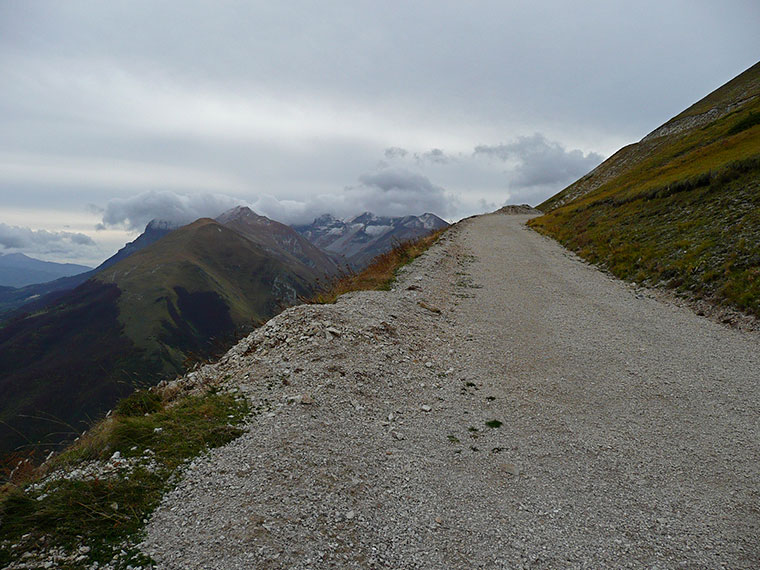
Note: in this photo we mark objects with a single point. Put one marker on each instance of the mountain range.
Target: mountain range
(360, 239)
(18, 270)
(681, 207)
(170, 297)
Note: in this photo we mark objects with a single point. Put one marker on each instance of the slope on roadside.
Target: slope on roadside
(681, 207)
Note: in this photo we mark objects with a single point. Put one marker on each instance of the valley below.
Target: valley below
(505, 405)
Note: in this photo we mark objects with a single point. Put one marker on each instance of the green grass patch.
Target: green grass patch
(700, 237)
(102, 513)
(494, 423)
(747, 122)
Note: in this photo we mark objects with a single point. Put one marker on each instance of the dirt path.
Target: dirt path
(625, 432)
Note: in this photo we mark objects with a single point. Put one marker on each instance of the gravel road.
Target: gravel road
(506, 406)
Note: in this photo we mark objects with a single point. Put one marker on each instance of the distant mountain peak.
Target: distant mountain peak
(324, 219)
(239, 213)
(161, 225)
(360, 238)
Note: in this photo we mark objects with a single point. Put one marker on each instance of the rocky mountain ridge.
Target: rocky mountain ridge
(360, 238)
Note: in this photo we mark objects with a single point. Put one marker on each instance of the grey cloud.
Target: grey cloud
(32, 241)
(434, 156)
(386, 191)
(136, 211)
(541, 162)
(395, 152)
(399, 191)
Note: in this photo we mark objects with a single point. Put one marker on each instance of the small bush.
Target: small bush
(746, 123)
(139, 403)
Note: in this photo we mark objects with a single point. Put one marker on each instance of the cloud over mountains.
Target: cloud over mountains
(388, 191)
(41, 242)
(402, 183)
(540, 162)
(136, 211)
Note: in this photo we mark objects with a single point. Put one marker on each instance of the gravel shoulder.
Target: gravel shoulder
(505, 406)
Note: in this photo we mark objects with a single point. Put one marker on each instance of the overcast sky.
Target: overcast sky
(116, 112)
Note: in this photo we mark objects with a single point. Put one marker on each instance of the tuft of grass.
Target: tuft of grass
(381, 273)
(104, 512)
(139, 403)
(494, 423)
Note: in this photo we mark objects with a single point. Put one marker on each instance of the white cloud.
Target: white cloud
(539, 162)
(43, 242)
(135, 212)
(109, 173)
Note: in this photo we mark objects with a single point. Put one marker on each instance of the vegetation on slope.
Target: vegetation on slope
(61, 366)
(682, 209)
(185, 297)
(121, 469)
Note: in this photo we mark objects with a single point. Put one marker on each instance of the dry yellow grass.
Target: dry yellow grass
(379, 275)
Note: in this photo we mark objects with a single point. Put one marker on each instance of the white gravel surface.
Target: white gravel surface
(629, 432)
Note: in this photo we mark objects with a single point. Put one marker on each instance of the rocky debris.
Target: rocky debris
(616, 413)
(115, 466)
(517, 209)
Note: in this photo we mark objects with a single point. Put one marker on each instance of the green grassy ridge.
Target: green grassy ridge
(652, 163)
(184, 298)
(103, 513)
(704, 241)
(682, 210)
(738, 89)
(204, 256)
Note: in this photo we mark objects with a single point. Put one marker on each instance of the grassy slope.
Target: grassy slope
(186, 296)
(154, 432)
(199, 282)
(681, 209)
(62, 366)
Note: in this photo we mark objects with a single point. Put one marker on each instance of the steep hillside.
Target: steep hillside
(138, 321)
(197, 285)
(282, 241)
(681, 207)
(360, 239)
(63, 367)
(18, 270)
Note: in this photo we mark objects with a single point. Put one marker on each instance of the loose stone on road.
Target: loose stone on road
(545, 415)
